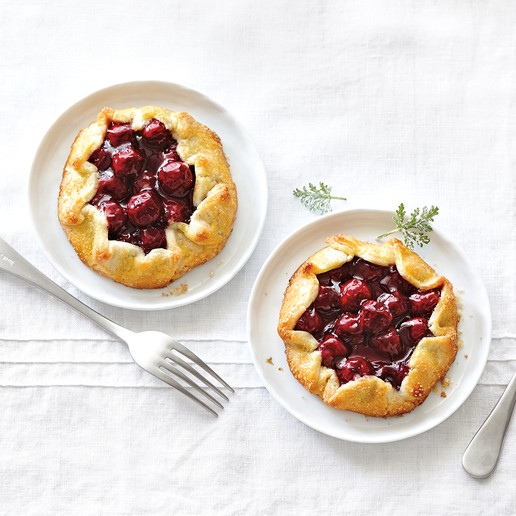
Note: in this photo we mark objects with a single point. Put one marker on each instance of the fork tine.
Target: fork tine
(195, 373)
(194, 358)
(158, 373)
(172, 370)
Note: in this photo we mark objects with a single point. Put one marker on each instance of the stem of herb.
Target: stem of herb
(389, 233)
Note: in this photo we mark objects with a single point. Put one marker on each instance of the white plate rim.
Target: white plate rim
(169, 301)
(450, 408)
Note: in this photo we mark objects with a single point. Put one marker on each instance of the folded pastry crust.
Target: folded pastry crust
(369, 395)
(188, 244)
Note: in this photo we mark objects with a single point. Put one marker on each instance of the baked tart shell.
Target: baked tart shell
(369, 395)
(188, 244)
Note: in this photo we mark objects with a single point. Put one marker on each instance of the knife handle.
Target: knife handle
(482, 453)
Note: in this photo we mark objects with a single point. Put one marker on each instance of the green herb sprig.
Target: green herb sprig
(316, 199)
(416, 228)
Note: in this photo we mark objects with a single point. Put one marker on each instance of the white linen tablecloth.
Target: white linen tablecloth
(407, 100)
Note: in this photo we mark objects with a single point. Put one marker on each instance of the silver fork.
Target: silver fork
(156, 352)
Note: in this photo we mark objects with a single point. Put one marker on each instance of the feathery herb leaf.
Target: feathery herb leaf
(316, 199)
(416, 228)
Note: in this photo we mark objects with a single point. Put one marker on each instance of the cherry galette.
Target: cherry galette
(369, 328)
(146, 195)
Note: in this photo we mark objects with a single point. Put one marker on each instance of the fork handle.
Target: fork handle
(13, 263)
(482, 453)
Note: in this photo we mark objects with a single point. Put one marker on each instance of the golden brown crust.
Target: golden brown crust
(188, 244)
(369, 395)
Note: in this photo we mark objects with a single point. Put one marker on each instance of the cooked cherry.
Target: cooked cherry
(152, 161)
(116, 215)
(353, 292)
(155, 134)
(145, 181)
(171, 153)
(374, 316)
(394, 373)
(99, 199)
(395, 302)
(413, 330)
(376, 289)
(117, 133)
(387, 342)
(367, 271)
(177, 210)
(327, 298)
(175, 178)
(339, 274)
(310, 321)
(127, 161)
(101, 158)
(353, 340)
(114, 186)
(349, 324)
(332, 348)
(144, 208)
(152, 238)
(394, 281)
(352, 368)
(423, 303)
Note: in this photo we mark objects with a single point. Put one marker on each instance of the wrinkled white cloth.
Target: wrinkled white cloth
(407, 100)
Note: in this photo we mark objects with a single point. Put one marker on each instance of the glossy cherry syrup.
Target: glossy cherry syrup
(368, 319)
(143, 184)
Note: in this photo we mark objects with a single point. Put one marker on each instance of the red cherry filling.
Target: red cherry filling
(367, 271)
(171, 153)
(355, 341)
(394, 373)
(327, 299)
(388, 342)
(413, 330)
(394, 282)
(118, 134)
(349, 324)
(374, 316)
(114, 186)
(144, 208)
(145, 181)
(332, 349)
(137, 204)
(423, 303)
(352, 293)
(338, 275)
(310, 321)
(101, 158)
(395, 302)
(127, 161)
(152, 238)
(116, 215)
(365, 309)
(175, 178)
(127, 236)
(155, 134)
(353, 368)
(177, 210)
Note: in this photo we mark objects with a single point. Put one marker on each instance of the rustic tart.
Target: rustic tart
(146, 195)
(369, 328)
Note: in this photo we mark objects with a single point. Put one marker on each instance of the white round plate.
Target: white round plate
(246, 168)
(268, 350)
